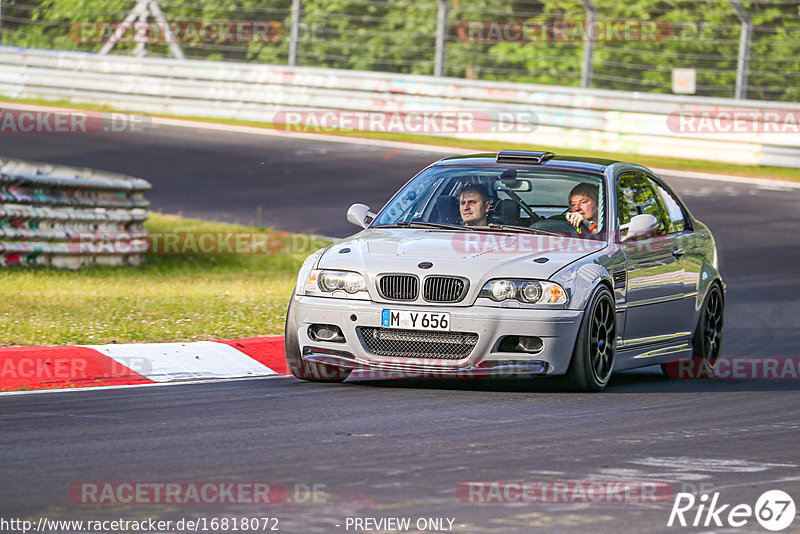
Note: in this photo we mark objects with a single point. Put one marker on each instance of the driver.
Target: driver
(583, 207)
(473, 204)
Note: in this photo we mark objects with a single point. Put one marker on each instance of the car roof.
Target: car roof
(579, 163)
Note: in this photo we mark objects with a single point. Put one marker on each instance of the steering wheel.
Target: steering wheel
(559, 223)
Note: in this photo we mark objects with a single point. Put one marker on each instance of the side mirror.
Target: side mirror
(358, 213)
(640, 225)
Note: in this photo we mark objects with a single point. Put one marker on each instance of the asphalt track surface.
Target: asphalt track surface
(400, 449)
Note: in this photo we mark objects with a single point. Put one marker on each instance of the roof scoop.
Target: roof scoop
(528, 157)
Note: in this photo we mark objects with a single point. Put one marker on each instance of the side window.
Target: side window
(676, 219)
(635, 197)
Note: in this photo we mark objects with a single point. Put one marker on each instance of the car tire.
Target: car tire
(595, 348)
(707, 339)
(305, 370)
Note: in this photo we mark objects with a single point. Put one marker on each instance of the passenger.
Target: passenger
(473, 204)
(583, 207)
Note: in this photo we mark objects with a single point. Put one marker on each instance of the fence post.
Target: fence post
(140, 13)
(294, 36)
(441, 38)
(588, 44)
(172, 39)
(744, 49)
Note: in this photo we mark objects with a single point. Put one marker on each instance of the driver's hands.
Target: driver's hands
(575, 218)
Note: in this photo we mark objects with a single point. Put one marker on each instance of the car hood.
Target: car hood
(489, 254)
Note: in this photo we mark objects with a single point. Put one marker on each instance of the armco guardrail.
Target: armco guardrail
(714, 129)
(69, 217)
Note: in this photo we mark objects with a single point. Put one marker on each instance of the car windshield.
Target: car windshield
(519, 199)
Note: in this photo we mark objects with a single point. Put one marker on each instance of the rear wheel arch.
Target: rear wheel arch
(714, 288)
(706, 340)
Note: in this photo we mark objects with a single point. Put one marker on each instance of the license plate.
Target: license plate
(412, 320)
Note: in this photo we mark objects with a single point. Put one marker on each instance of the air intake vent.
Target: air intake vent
(398, 286)
(620, 278)
(444, 289)
(396, 343)
(523, 156)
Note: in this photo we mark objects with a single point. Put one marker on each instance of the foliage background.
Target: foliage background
(399, 36)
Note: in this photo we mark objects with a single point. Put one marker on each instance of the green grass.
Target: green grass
(755, 171)
(169, 298)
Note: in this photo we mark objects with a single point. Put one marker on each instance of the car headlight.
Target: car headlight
(305, 269)
(528, 291)
(330, 281)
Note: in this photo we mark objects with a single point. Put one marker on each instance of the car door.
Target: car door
(656, 307)
(685, 248)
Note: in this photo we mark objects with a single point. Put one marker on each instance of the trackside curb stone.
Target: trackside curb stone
(28, 368)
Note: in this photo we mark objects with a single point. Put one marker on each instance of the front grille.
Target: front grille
(444, 289)
(398, 343)
(399, 286)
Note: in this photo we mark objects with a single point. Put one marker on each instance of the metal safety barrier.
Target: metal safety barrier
(745, 132)
(69, 217)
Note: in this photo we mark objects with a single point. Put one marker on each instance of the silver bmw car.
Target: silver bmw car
(512, 264)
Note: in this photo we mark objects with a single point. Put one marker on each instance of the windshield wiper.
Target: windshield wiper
(421, 224)
(525, 229)
(490, 226)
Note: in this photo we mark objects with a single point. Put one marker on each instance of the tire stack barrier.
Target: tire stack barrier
(69, 217)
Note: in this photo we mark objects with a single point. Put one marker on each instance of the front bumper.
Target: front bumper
(556, 328)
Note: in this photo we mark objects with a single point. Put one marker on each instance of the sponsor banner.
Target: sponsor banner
(529, 31)
(478, 242)
(43, 368)
(413, 122)
(215, 243)
(184, 32)
(14, 121)
(565, 492)
(737, 368)
(734, 121)
(69, 368)
(177, 243)
(212, 492)
(483, 242)
(49, 367)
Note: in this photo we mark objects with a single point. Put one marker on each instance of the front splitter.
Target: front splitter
(485, 369)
